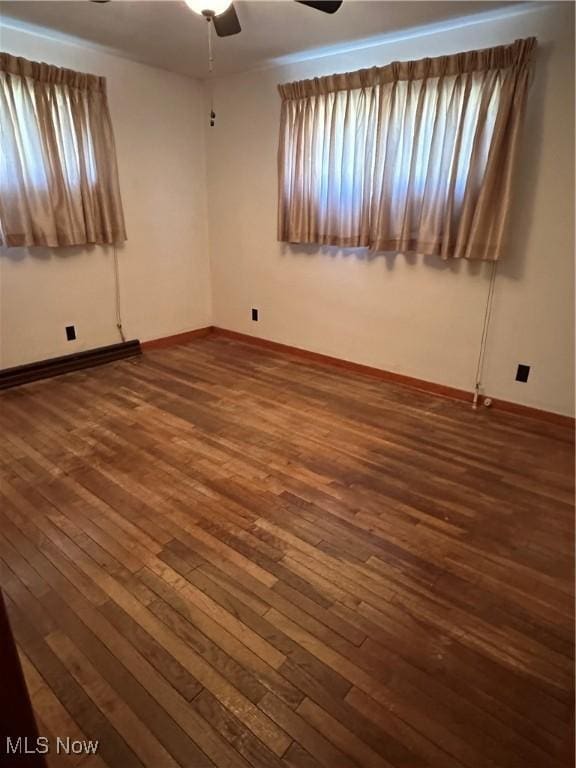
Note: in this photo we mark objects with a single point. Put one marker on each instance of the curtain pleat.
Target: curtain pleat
(414, 156)
(58, 173)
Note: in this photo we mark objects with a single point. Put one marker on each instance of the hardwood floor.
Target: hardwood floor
(215, 555)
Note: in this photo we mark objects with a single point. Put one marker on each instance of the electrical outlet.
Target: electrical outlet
(522, 373)
(71, 332)
(254, 315)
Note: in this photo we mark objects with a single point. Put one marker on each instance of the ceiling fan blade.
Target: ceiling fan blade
(322, 5)
(227, 23)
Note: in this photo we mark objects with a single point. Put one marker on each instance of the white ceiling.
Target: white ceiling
(167, 34)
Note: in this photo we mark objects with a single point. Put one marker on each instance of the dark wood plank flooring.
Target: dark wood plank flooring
(219, 556)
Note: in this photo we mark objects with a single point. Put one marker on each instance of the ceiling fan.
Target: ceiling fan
(225, 19)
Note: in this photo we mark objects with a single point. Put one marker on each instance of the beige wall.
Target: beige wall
(394, 312)
(159, 122)
(399, 313)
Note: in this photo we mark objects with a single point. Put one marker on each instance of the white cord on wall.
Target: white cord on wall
(484, 337)
(211, 72)
(117, 296)
(210, 46)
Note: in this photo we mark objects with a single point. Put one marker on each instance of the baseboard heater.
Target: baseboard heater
(44, 369)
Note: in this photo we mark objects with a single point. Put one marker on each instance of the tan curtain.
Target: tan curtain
(58, 176)
(414, 156)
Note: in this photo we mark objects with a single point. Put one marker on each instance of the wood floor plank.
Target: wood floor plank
(140, 739)
(225, 649)
(340, 735)
(251, 748)
(111, 746)
(218, 556)
(305, 734)
(48, 709)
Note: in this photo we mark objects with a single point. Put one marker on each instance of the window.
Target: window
(58, 177)
(415, 156)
